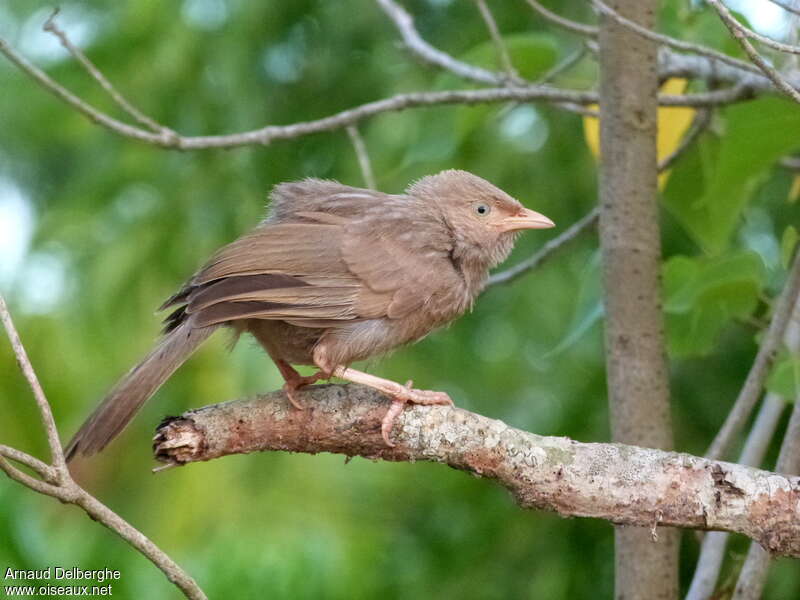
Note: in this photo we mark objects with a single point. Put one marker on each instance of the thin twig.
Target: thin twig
(684, 46)
(547, 251)
(738, 32)
(503, 57)
(43, 469)
(701, 121)
(706, 67)
(562, 22)
(787, 6)
(728, 17)
(58, 483)
(754, 571)
(51, 27)
(712, 550)
(754, 383)
(46, 415)
(32, 482)
(399, 102)
(363, 156)
(563, 66)
(404, 23)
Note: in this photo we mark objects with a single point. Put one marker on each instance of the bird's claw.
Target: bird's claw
(291, 394)
(409, 395)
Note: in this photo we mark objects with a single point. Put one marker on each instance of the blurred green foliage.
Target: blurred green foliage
(117, 226)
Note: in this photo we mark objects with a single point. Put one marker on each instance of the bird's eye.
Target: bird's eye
(482, 209)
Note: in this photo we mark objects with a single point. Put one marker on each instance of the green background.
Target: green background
(118, 225)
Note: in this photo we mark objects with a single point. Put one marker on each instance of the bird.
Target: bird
(333, 275)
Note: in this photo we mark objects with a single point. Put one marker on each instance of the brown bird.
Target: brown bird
(335, 274)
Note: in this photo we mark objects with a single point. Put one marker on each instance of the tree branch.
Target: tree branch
(404, 23)
(787, 6)
(58, 483)
(623, 484)
(757, 376)
(729, 19)
(741, 33)
(503, 57)
(671, 42)
(45, 414)
(712, 550)
(166, 138)
(51, 27)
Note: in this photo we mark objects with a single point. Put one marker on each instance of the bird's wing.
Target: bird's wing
(321, 266)
(404, 254)
(281, 271)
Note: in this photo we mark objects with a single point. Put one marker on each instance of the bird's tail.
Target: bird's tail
(141, 382)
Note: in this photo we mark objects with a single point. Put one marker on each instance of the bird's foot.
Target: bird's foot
(294, 381)
(400, 395)
(408, 395)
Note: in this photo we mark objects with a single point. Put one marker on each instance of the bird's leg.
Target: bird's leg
(400, 395)
(294, 381)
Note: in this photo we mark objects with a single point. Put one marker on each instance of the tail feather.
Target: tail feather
(141, 382)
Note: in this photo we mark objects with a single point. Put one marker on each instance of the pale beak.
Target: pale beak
(526, 219)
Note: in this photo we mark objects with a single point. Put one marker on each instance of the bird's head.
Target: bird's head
(484, 219)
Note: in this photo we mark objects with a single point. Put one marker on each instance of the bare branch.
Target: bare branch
(31, 482)
(414, 42)
(624, 484)
(732, 21)
(363, 156)
(712, 550)
(754, 571)
(563, 23)
(399, 102)
(77, 53)
(58, 482)
(740, 33)
(44, 470)
(754, 383)
(787, 6)
(546, 251)
(503, 57)
(699, 49)
(563, 66)
(701, 121)
(45, 414)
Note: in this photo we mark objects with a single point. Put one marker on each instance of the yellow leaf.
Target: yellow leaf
(673, 121)
(794, 191)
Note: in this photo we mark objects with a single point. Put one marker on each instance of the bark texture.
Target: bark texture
(623, 484)
(638, 383)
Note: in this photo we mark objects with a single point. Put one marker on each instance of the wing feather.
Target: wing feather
(328, 254)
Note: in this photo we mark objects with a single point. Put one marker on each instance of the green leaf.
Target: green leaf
(785, 378)
(707, 195)
(702, 295)
(788, 244)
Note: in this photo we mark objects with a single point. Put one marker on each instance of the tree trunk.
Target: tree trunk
(638, 383)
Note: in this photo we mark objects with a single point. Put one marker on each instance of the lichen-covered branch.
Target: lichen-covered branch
(623, 484)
